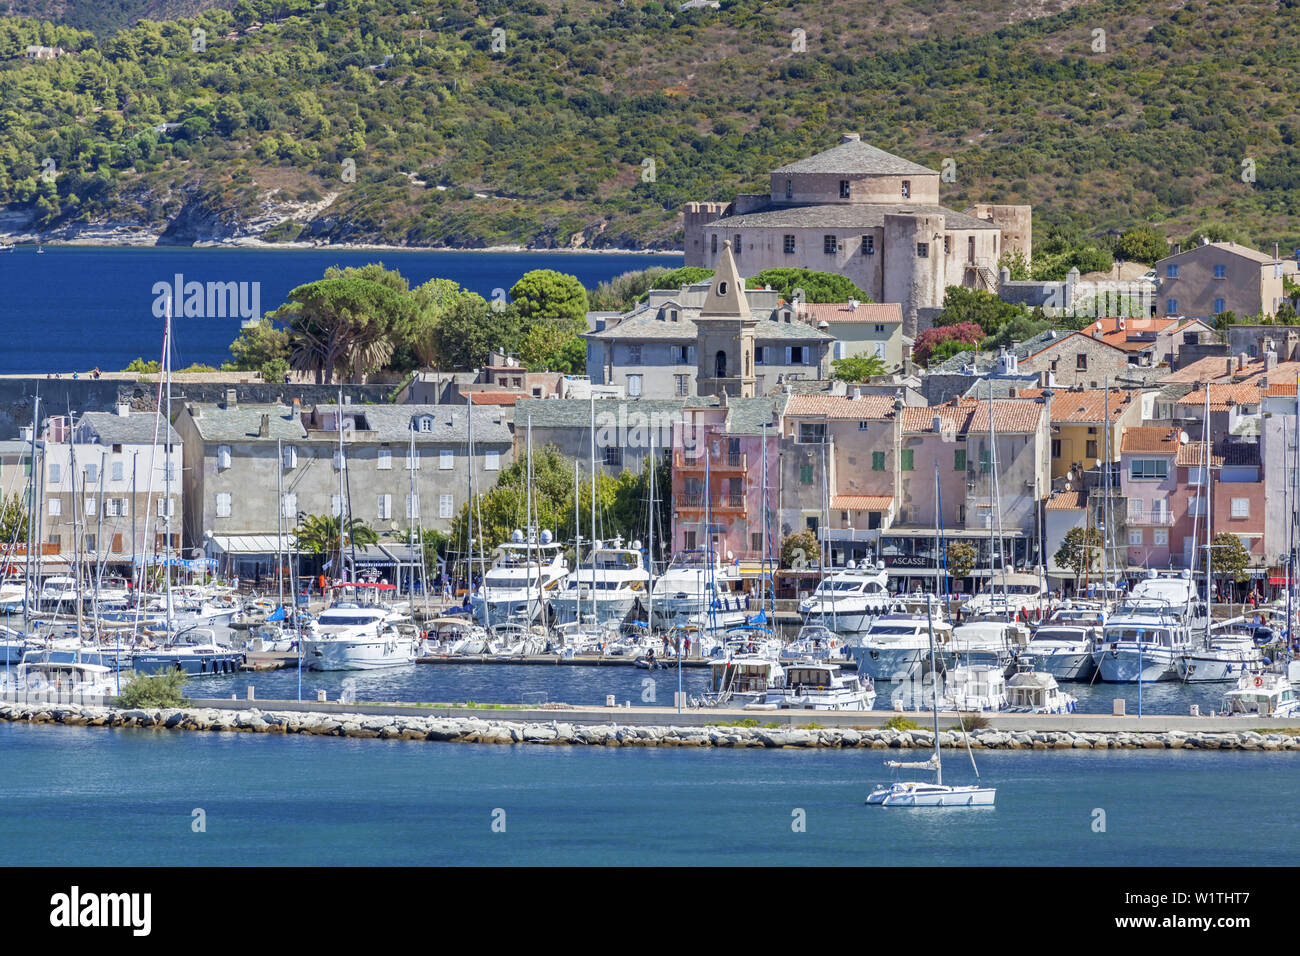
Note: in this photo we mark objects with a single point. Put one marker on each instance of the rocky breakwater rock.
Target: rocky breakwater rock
(481, 730)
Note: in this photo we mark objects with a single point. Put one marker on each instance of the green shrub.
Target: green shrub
(153, 690)
(901, 723)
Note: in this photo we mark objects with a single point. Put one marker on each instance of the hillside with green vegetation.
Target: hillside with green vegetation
(561, 123)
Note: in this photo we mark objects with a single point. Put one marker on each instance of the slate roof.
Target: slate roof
(984, 361)
(136, 428)
(576, 412)
(844, 216)
(747, 416)
(392, 423)
(644, 324)
(218, 423)
(857, 157)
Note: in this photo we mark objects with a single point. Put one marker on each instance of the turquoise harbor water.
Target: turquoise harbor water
(535, 684)
(122, 797)
(77, 307)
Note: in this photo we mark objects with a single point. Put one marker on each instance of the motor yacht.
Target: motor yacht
(525, 575)
(897, 645)
(699, 588)
(847, 601)
(818, 685)
(609, 583)
(1144, 638)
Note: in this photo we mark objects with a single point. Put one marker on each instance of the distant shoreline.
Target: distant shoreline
(152, 243)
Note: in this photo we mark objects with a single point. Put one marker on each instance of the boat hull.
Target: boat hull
(1126, 666)
(196, 665)
(889, 663)
(608, 610)
(357, 655)
(1062, 664)
(933, 796)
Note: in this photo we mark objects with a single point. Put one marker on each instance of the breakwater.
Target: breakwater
(481, 730)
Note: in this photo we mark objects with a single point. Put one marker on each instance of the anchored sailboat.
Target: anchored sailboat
(937, 794)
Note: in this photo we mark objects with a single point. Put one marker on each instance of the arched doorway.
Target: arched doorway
(720, 365)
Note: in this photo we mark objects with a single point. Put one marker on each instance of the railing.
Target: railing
(1148, 518)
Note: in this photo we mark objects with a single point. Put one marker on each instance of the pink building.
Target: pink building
(718, 459)
(1164, 483)
(1155, 503)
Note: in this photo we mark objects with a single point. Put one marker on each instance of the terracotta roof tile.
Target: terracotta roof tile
(1088, 405)
(1222, 397)
(833, 312)
(862, 502)
(866, 408)
(1065, 501)
(1193, 455)
(1154, 438)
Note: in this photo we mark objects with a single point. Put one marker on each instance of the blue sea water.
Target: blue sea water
(75, 308)
(81, 796)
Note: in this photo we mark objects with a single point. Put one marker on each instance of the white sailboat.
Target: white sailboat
(937, 794)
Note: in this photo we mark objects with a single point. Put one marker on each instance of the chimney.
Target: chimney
(123, 409)
(231, 401)
(857, 391)
(850, 138)
(1228, 366)
(938, 424)
(1270, 360)
(1241, 360)
(264, 429)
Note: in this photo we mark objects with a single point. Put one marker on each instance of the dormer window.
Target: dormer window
(789, 189)
(673, 315)
(426, 424)
(844, 189)
(907, 189)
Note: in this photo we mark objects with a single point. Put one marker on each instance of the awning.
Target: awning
(250, 543)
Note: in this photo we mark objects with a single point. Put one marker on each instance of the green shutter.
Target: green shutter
(905, 461)
(959, 459)
(877, 461)
(805, 474)
(984, 460)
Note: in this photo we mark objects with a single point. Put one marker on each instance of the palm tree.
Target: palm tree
(319, 534)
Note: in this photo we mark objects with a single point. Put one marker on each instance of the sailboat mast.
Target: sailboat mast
(338, 424)
(1105, 501)
(762, 573)
(78, 549)
(934, 688)
(595, 611)
(29, 581)
(167, 462)
(279, 515)
(650, 558)
(410, 527)
(1209, 514)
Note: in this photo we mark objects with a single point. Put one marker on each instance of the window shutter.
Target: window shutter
(90, 507)
(789, 358)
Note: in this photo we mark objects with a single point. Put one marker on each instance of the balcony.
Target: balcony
(1146, 519)
(721, 503)
(723, 461)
